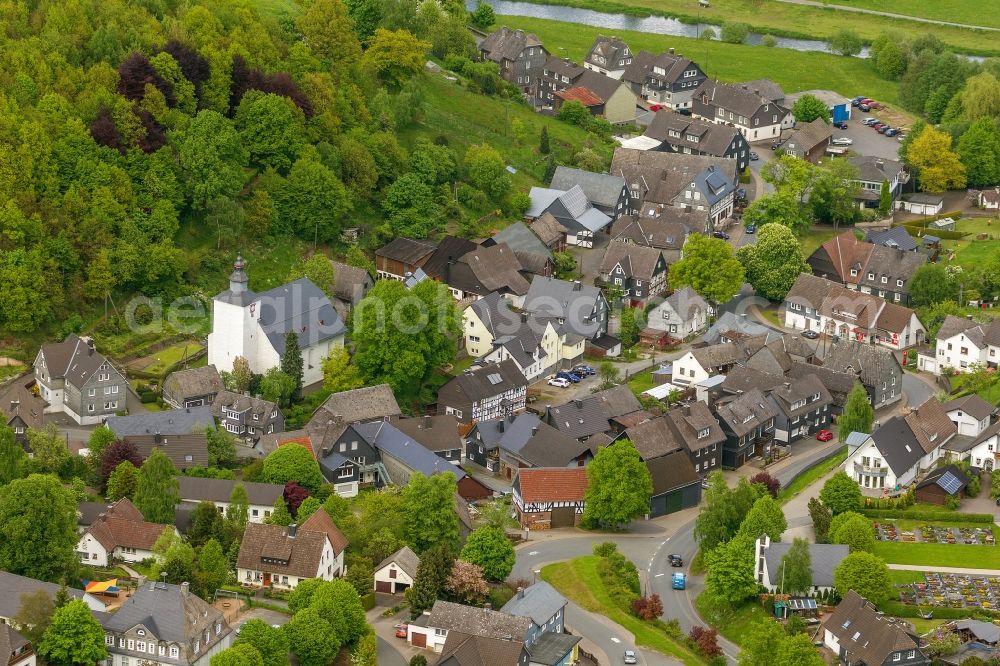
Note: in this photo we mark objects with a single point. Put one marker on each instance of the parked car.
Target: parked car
(704, 483)
(401, 630)
(629, 657)
(857, 100)
(754, 156)
(883, 130)
(878, 126)
(775, 145)
(867, 100)
(810, 334)
(900, 137)
(840, 124)
(655, 107)
(824, 435)
(751, 228)
(675, 560)
(679, 581)
(559, 382)
(741, 193)
(864, 107)
(869, 121)
(584, 371)
(892, 131)
(721, 234)
(569, 376)
(842, 141)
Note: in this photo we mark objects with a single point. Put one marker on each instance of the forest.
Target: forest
(144, 143)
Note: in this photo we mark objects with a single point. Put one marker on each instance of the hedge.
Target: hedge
(925, 221)
(919, 514)
(945, 234)
(897, 609)
(368, 601)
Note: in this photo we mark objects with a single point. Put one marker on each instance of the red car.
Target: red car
(824, 435)
(401, 630)
(655, 107)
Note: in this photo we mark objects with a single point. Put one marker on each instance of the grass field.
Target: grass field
(781, 18)
(642, 381)
(968, 12)
(578, 580)
(816, 237)
(990, 395)
(793, 70)
(939, 554)
(809, 477)
(733, 622)
(901, 577)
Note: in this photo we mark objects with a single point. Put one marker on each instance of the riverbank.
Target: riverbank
(793, 70)
(788, 20)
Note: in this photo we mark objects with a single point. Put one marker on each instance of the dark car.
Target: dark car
(856, 101)
(775, 145)
(754, 156)
(810, 335)
(569, 376)
(840, 124)
(892, 131)
(584, 371)
(721, 234)
(741, 193)
(883, 130)
(675, 560)
(864, 107)
(751, 228)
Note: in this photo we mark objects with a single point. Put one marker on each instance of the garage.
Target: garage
(419, 640)
(563, 516)
(383, 586)
(676, 485)
(396, 572)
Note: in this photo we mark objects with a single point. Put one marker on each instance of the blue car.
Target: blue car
(679, 581)
(569, 376)
(751, 228)
(584, 371)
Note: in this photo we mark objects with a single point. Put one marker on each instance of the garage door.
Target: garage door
(383, 586)
(563, 516)
(419, 640)
(675, 501)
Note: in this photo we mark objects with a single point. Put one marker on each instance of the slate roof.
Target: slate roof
(11, 643)
(548, 448)
(171, 613)
(448, 248)
(521, 239)
(389, 440)
(877, 635)
(297, 556)
(548, 229)
(219, 490)
(752, 404)
(434, 433)
(560, 67)
(578, 418)
(643, 62)
(488, 269)
(688, 420)
(809, 135)
(986, 632)
(357, 405)
(663, 232)
(824, 558)
(896, 442)
(931, 425)
(298, 306)
(839, 383)
(244, 403)
(617, 401)
(183, 450)
(574, 209)
(671, 471)
(952, 326)
(73, 359)
(504, 43)
(712, 139)
(973, 405)
(16, 400)
(876, 169)
(729, 323)
(869, 363)
(14, 586)
(893, 237)
(478, 621)
(494, 312)
(766, 88)
(802, 388)
(479, 383)
(551, 648)
(685, 302)
(718, 355)
(349, 281)
(892, 262)
(638, 261)
(660, 177)
(742, 379)
(574, 301)
(654, 438)
(405, 559)
(171, 422)
(539, 602)
(772, 357)
(601, 189)
(192, 383)
(405, 250)
(552, 484)
(611, 48)
(745, 99)
(461, 649)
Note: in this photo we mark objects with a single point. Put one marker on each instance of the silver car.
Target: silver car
(630, 657)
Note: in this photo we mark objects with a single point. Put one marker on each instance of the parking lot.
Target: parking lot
(866, 140)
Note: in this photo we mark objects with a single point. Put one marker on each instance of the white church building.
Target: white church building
(254, 325)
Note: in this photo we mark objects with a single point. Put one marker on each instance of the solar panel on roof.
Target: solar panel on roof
(950, 483)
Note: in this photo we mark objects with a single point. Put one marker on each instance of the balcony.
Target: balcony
(869, 470)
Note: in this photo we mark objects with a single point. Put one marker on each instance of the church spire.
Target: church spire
(238, 278)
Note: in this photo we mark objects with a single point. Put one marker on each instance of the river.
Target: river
(657, 25)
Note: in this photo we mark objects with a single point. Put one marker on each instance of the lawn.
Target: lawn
(939, 554)
(793, 70)
(772, 316)
(171, 355)
(816, 237)
(578, 580)
(783, 18)
(810, 476)
(955, 11)
(990, 395)
(922, 626)
(902, 577)
(733, 622)
(642, 381)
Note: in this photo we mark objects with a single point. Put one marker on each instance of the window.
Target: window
(91, 392)
(899, 283)
(343, 446)
(911, 654)
(896, 656)
(474, 338)
(131, 644)
(90, 408)
(440, 632)
(871, 276)
(107, 390)
(854, 272)
(964, 350)
(354, 446)
(885, 279)
(254, 512)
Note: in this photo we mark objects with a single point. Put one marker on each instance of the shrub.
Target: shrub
(705, 641)
(648, 608)
(768, 481)
(707, 33)
(499, 596)
(605, 548)
(769, 41)
(734, 33)
(418, 660)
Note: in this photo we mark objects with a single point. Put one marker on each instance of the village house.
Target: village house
(640, 272)
(823, 559)
(809, 141)
(748, 423)
(549, 497)
(858, 633)
(582, 310)
(980, 451)
(533, 255)
(882, 268)
(987, 199)
(15, 649)
(668, 79)
(520, 56)
(700, 363)
(876, 368)
(397, 572)
(490, 391)
(676, 483)
(438, 434)
(603, 96)
(549, 231)
(754, 115)
(920, 203)
(432, 629)
(667, 231)
(681, 314)
(573, 212)
(274, 556)
(260, 496)
(543, 605)
(178, 433)
(484, 271)
(247, 417)
(581, 418)
(73, 378)
(803, 408)
(941, 485)
(606, 192)
(401, 257)
(350, 283)
(120, 533)
(255, 326)
(194, 387)
(872, 172)
(678, 133)
(20, 408)
(608, 56)
(970, 414)
(504, 446)
(167, 623)
(963, 344)
(15, 586)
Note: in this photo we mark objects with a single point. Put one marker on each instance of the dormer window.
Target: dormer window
(703, 433)
(854, 272)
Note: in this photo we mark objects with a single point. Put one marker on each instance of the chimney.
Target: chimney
(501, 425)
(534, 430)
(427, 421)
(577, 286)
(487, 606)
(524, 317)
(578, 403)
(291, 530)
(520, 592)
(185, 588)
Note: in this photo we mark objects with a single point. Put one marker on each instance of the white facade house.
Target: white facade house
(282, 557)
(824, 558)
(397, 572)
(983, 452)
(15, 649)
(697, 365)
(961, 344)
(119, 533)
(260, 496)
(254, 326)
(971, 414)
(681, 314)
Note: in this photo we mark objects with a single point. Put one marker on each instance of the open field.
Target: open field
(793, 70)
(578, 580)
(969, 12)
(939, 554)
(792, 20)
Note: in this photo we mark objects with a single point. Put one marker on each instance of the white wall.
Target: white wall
(401, 576)
(91, 551)
(229, 337)
(954, 357)
(967, 424)
(688, 371)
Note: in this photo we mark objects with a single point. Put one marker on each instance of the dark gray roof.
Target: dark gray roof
(389, 440)
(11, 643)
(462, 649)
(668, 231)
(638, 261)
(504, 43)
(486, 381)
(712, 139)
(357, 405)
(14, 586)
(803, 388)
(742, 379)
(672, 471)
(551, 649)
(171, 422)
(478, 621)
(436, 433)
(602, 189)
(654, 438)
(950, 478)
(743, 98)
(751, 404)
(520, 238)
(574, 301)
(809, 135)
(298, 306)
(578, 418)
(192, 383)
(898, 445)
(405, 250)
(350, 283)
(893, 237)
(986, 632)
(539, 602)
(835, 382)
(171, 614)
(219, 490)
(728, 322)
(612, 49)
(870, 363)
(690, 420)
(824, 558)
(494, 312)
(450, 248)
(405, 559)
(876, 169)
(74, 359)
(973, 405)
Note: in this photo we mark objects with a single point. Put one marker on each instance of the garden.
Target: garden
(931, 533)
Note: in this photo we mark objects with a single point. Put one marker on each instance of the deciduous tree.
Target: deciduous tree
(312, 639)
(49, 448)
(979, 151)
(846, 42)
(123, 482)
(771, 484)
(329, 32)
(723, 511)
(277, 387)
(213, 568)
(487, 170)
(774, 262)
(12, 456)
(74, 637)
(312, 200)
(293, 463)
(766, 517)
(858, 416)
(808, 108)
(708, 267)
(158, 491)
(821, 518)
(37, 528)
(489, 548)
(395, 56)
(618, 486)
(467, 583)
(270, 642)
(35, 614)
(428, 505)
(731, 570)
(483, 17)
(866, 574)
(212, 156)
(938, 167)
(242, 376)
(339, 374)
(795, 572)
(242, 654)
(221, 447)
(841, 493)
(854, 530)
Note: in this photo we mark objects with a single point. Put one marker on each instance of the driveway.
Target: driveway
(393, 651)
(270, 617)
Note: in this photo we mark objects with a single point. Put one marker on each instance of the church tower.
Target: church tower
(234, 322)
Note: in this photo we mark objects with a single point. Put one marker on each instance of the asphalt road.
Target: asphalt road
(388, 655)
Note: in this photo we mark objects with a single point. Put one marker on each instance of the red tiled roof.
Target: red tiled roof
(582, 95)
(553, 484)
(304, 441)
(320, 521)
